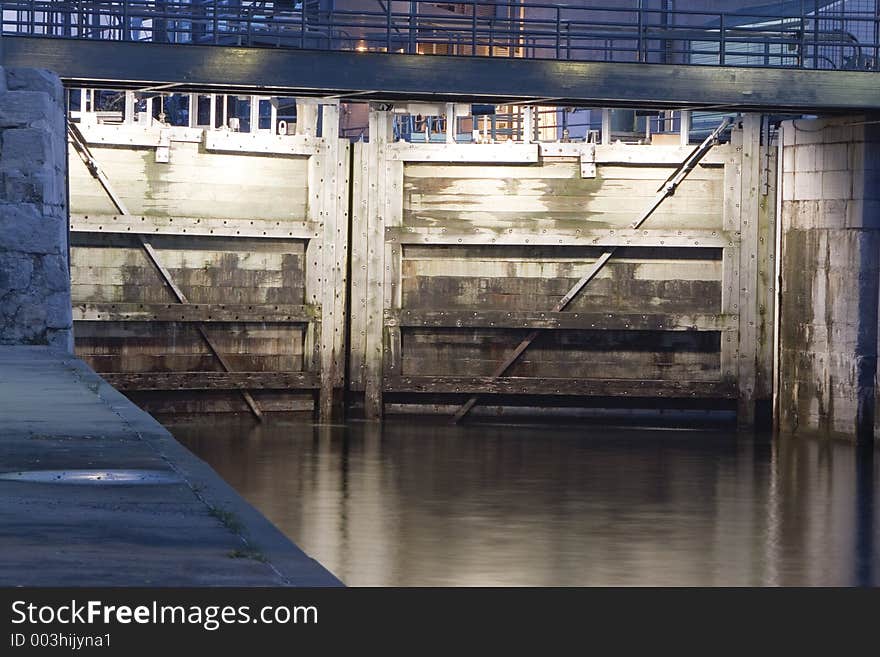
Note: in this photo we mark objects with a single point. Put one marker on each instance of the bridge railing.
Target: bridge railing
(844, 34)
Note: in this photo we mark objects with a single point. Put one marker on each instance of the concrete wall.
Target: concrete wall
(830, 277)
(34, 280)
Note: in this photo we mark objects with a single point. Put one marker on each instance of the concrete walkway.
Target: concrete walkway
(57, 414)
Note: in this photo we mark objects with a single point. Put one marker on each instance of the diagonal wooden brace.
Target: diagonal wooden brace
(666, 190)
(82, 149)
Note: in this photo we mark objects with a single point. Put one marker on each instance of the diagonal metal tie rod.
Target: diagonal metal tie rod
(82, 149)
(665, 191)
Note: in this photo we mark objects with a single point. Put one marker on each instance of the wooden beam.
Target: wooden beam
(203, 226)
(360, 194)
(646, 155)
(192, 312)
(545, 386)
(212, 380)
(249, 142)
(610, 321)
(749, 296)
(464, 153)
(328, 185)
(624, 236)
(377, 153)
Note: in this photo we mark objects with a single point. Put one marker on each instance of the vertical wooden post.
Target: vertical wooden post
(380, 136)
(306, 118)
(730, 287)
(527, 124)
(332, 180)
(359, 251)
(749, 293)
(684, 128)
(130, 107)
(766, 301)
(450, 123)
(314, 257)
(393, 265)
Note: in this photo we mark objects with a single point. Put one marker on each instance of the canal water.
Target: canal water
(427, 504)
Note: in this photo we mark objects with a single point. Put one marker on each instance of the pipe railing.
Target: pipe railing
(819, 35)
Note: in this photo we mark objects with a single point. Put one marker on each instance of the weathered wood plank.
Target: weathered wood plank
(331, 179)
(766, 273)
(393, 264)
(342, 239)
(359, 281)
(176, 225)
(620, 292)
(212, 380)
(141, 362)
(86, 293)
(657, 154)
(550, 195)
(176, 338)
(483, 268)
(749, 294)
(561, 320)
(546, 386)
(577, 237)
(191, 402)
(262, 143)
(730, 292)
(578, 365)
(483, 153)
(140, 312)
(381, 137)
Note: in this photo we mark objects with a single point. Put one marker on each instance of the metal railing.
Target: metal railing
(844, 34)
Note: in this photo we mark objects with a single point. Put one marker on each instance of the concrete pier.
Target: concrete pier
(57, 414)
(830, 230)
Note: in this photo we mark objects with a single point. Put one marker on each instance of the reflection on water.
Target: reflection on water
(423, 504)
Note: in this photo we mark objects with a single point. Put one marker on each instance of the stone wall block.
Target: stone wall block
(25, 229)
(51, 274)
(34, 79)
(58, 311)
(16, 270)
(836, 157)
(27, 147)
(807, 185)
(28, 109)
(34, 280)
(61, 339)
(839, 184)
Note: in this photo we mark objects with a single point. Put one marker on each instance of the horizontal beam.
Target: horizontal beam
(212, 380)
(391, 76)
(545, 386)
(245, 142)
(193, 312)
(457, 153)
(134, 136)
(689, 237)
(135, 224)
(660, 155)
(561, 320)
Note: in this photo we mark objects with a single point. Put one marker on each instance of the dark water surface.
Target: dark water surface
(427, 504)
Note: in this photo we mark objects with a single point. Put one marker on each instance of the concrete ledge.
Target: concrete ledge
(87, 421)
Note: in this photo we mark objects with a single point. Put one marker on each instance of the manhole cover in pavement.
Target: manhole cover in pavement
(93, 477)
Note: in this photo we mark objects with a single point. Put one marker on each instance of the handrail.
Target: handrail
(816, 35)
